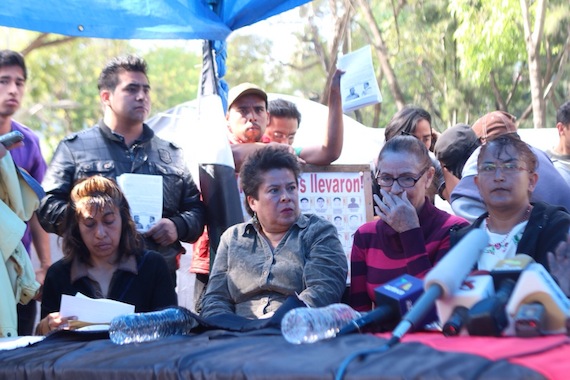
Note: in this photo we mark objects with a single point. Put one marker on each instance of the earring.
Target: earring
(255, 220)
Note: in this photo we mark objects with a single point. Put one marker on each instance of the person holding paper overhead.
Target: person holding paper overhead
(121, 143)
(281, 125)
(251, 127)
(103, 256)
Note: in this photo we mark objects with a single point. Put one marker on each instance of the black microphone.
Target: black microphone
(488, 317)
(454, 310)
(456, 321)
(393, 299)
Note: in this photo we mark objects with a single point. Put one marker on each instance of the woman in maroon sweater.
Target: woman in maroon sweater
(412, 235)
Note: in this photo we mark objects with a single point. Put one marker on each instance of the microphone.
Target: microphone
(536, 292)
(530, 320)
(393, 299)
(443, 279)
(454, 311)
(488, 317)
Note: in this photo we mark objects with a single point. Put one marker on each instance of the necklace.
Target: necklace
(524, 217)
(504, 243)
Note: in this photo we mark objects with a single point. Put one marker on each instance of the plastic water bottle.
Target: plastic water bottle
(309, 325)
(144, 327)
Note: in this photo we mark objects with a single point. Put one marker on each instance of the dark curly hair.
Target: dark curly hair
(262, 161)
(98, 192)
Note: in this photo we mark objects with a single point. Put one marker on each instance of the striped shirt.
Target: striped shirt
(380, 254)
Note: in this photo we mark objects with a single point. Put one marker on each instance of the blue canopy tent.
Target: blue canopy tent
(140, 19)
(209, 20)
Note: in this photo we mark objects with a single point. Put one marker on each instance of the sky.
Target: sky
(279, 29)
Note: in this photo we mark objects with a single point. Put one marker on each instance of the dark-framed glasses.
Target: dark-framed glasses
(510, 167)
(404, 181)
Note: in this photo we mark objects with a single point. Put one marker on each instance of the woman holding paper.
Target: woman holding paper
(103, 256)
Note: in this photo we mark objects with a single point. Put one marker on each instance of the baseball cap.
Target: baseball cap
(454, 146)
(245, 89)
(494, 124)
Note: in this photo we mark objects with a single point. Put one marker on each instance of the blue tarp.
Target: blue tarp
(140, 19)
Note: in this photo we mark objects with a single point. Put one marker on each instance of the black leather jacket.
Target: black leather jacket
(100, 151)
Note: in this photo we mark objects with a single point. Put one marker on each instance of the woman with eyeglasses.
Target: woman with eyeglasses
(412, 235)
(415, 121)
(506, 177)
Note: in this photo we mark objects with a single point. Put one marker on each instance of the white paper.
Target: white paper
(358, 85)
(144, 194)
(93, 310)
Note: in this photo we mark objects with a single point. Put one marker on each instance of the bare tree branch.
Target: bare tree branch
(496, 92)
(382, 53)
(341, 26)
(41, 41)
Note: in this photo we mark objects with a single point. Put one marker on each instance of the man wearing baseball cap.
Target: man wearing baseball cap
(465, 199)
(247, 114)
(453, 148)
(249, 122)
(247, 119)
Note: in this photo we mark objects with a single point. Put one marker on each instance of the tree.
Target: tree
(496, 57)
(62, 95)
(383, 55)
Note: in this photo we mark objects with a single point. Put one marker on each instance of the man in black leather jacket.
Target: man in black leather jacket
(122, 143)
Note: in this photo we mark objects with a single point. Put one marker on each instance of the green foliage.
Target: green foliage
(62, 95)
(174, 76)
(489, 35)
(250, 60)
(443, 53)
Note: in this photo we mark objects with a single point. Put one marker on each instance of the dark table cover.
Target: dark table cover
(265, 354)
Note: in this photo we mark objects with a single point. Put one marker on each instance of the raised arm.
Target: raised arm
(331, 147)
(241, 151)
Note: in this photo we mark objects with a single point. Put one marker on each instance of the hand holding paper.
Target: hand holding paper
(144, 194)
(93, 310)
(359, 87)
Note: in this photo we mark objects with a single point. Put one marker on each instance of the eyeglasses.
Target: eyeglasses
(278, 136)
(506, 168)
(404, 181)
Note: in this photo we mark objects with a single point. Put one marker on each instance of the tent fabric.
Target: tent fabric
(140, 19)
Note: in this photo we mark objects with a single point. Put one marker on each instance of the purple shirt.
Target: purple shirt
(31, 160)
